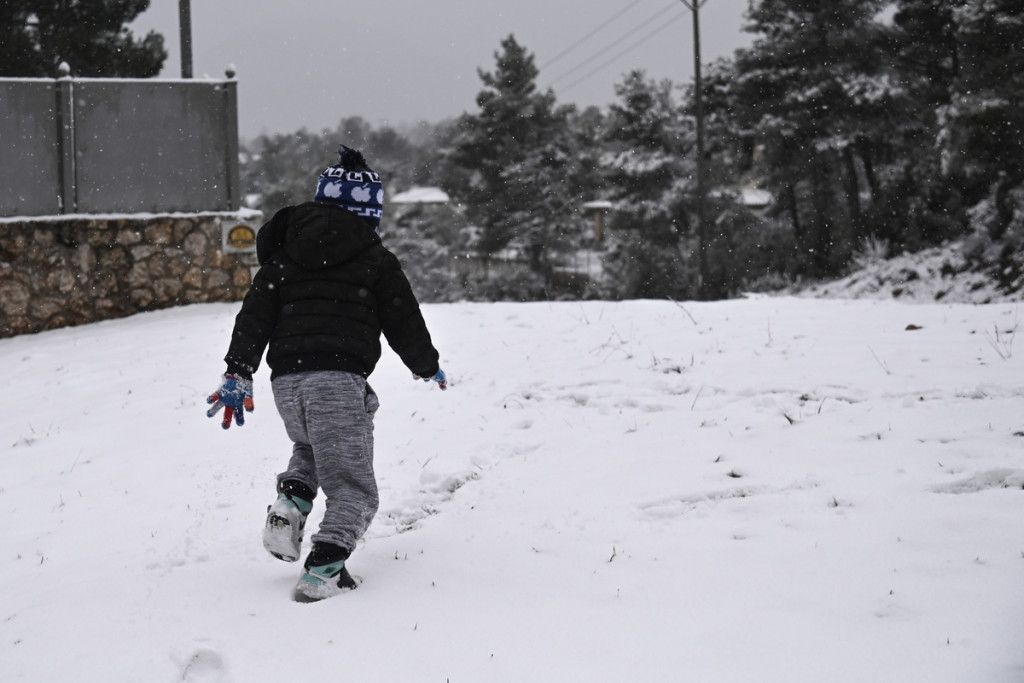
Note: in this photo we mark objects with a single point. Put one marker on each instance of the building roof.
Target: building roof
(754, 197)
(748, 196)
(421, 195)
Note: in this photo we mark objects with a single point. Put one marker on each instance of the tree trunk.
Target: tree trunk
(954, 51)
(1003, 206)
(864, 152)
(852, 187)
(822, 238)
(794, 213)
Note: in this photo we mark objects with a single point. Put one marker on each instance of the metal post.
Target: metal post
(65, 89)
(185, 28)
(231, 140)
(698, 95)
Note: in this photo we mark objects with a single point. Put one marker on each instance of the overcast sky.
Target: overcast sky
(313, 62)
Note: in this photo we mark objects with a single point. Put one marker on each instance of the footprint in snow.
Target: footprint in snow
(578, 400)
(434, 491)
(992, 479)
(677, 506)
(204, 666)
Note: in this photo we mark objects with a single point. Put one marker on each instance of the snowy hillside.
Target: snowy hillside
(930, 275)
(771, 490)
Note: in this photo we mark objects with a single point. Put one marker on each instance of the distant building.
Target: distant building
(752, 198)
(598, 210)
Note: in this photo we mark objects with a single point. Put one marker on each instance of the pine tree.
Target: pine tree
(928, 203)
(815, 89)
(91, 35)
(989, 99)
(588, 130)
(649, 170)
(512, 156)
(927, 48)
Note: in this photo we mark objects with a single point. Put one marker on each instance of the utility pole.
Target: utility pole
(185, 28)
(698, 99)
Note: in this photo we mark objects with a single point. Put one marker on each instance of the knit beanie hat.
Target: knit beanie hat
(352, 185)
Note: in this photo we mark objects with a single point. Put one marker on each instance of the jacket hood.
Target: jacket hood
(316, 235)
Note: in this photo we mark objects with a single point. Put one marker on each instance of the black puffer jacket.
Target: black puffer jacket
(325, 291)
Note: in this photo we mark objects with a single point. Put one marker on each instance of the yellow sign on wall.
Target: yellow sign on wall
(239, 238)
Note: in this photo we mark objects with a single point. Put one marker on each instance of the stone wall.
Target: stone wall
(68, 271)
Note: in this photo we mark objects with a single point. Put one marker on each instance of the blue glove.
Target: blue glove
(235, 397)
(439, 377)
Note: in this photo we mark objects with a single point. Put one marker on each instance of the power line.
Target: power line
(624, 52)
(615, 43)
(590, 35)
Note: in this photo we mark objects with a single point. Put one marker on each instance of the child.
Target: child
(325, 291)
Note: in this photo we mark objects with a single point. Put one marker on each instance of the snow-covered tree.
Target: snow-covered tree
(513, 156)
(91, 35)
(988, 106)
(282, 168)
(929, 196)
(816, 90)
(649, 168)
(927, 48)
(425, 238)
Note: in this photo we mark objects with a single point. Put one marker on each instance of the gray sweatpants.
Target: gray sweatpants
(329, 417)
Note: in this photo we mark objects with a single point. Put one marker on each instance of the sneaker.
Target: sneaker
(286, 520)
(325, 575)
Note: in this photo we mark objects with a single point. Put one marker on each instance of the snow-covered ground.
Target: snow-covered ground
(773, 490)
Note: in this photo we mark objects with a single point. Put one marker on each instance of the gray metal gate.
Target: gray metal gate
(29, 148)
(91, 145)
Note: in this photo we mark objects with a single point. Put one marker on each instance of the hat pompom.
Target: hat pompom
(351, 158)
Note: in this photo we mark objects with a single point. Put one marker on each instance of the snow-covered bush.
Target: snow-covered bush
(996, 243)
(872, 250)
